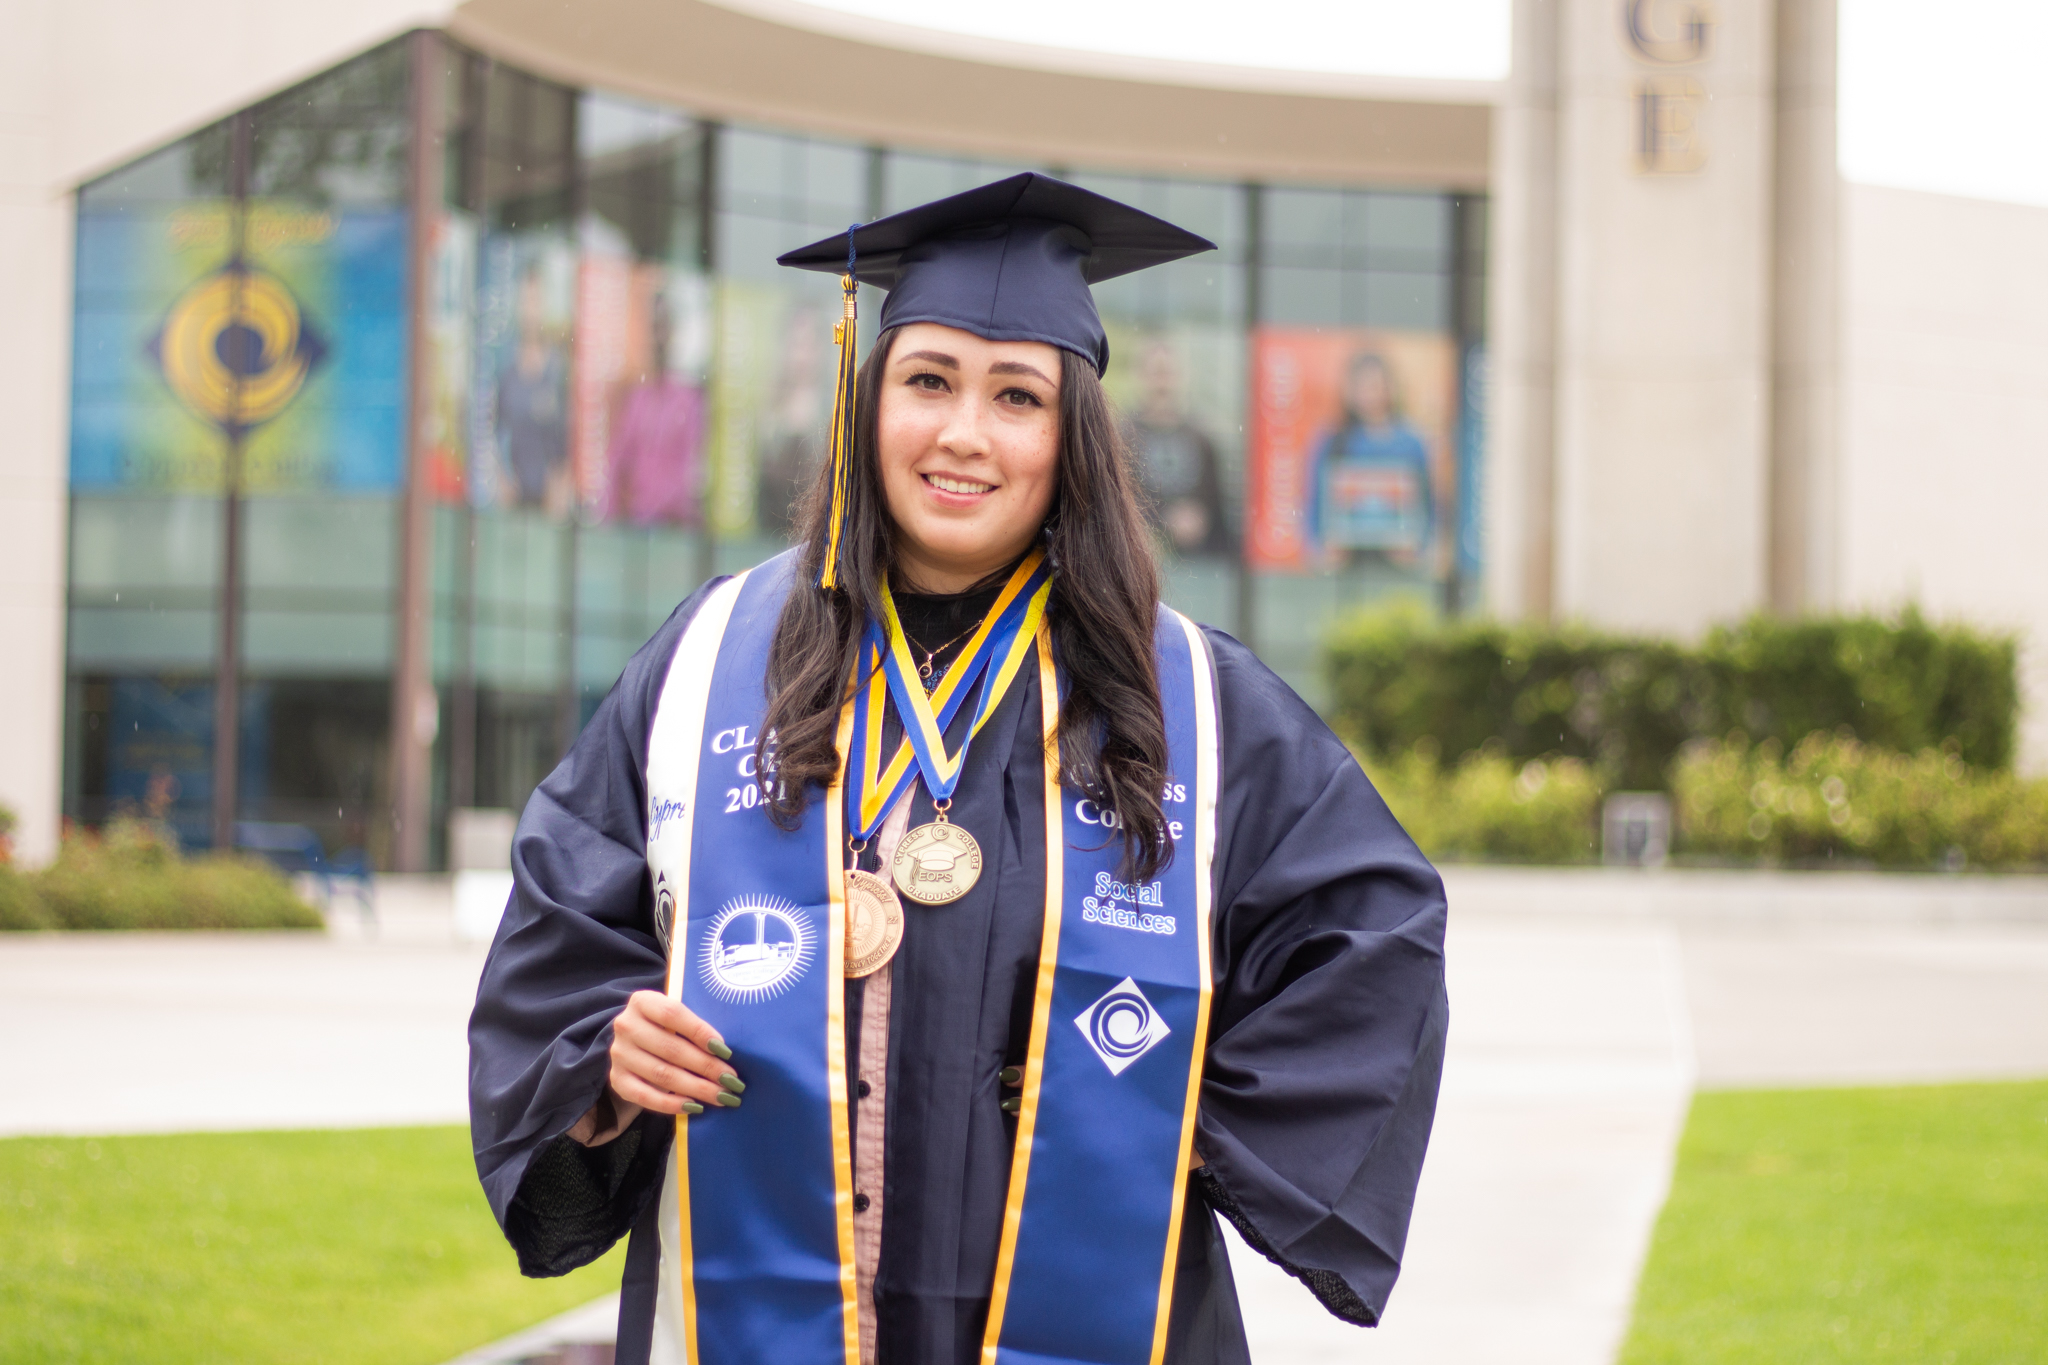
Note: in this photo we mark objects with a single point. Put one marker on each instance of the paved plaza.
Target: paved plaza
(1586, 1006)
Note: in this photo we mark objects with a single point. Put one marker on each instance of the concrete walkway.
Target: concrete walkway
(1585, 1006)
(150, 1033)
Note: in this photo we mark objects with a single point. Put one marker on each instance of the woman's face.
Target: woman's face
(1369, 396)
(969, 439)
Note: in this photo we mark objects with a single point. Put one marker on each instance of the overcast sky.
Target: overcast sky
(1927, 101)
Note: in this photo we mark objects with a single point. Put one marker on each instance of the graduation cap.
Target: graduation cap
(1009, 261)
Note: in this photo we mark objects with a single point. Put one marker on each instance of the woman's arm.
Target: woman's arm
(577, 942)
(1327, 1031)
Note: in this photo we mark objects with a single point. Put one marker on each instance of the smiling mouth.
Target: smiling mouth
(946, 484)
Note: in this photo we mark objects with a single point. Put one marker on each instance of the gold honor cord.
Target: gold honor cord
(1041, 1000)
(835, 1050)
(843, 334)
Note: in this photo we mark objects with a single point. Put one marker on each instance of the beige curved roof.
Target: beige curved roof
(795, 65)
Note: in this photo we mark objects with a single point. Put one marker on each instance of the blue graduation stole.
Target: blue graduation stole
(757, 1210)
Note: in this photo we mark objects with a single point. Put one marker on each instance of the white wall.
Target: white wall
(84, 86)
(1945, 433)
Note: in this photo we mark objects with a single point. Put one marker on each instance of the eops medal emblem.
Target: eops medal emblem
(937, 864)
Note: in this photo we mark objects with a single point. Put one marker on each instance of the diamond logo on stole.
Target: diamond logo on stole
(1122, 1026)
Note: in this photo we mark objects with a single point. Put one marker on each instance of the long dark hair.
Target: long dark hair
(1105, 594)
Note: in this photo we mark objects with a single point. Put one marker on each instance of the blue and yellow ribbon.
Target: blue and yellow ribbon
(887, 672)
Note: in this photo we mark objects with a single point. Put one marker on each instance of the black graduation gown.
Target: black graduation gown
(1325, 1045)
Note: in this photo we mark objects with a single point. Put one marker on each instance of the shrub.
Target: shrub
(20, 906)
(133, 877)
(1836, 798)
(1489, 808)
(1627, 705)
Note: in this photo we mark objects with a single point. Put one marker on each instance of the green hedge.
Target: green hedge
(132, 877)
(1628, 704)
(20, 906)
(1835, 799)
(1489, 808)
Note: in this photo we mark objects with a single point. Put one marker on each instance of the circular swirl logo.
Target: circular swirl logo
(1122, 1026)
(236, 349)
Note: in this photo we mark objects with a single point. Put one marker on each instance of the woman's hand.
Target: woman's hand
(664, 1058)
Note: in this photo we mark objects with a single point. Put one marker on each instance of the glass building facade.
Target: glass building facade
(431, 336)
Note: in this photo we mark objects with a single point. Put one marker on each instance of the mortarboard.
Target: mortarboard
(1009, 261)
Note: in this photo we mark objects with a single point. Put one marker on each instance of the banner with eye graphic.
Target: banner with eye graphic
(276, 324)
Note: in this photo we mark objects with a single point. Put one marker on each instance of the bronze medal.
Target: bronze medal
(937, 864)
(874, 923)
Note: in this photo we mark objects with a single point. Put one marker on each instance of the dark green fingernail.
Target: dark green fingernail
(730, 1101)
(692, 1107)
(1013, 1104)
(717, 1048)
(1012, 1075)
(732, 1083)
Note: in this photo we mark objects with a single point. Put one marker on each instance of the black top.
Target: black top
(1010, 261)
(1320, 1079)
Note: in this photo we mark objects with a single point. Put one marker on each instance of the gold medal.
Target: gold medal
(937, 864)
(874, 923)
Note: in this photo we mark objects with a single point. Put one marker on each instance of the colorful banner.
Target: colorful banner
(519, 390)
(1179, 394)
(1471, 556)
(1351, 451)
(296, 346)
(643, 347)
(771, 400)
(446, 368)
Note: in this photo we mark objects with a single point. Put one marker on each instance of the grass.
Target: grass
(335, 1247)
(1878, 1225)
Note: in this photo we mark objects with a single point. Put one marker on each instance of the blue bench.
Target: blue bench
(297, 849)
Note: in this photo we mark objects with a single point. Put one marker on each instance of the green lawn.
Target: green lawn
(370, 1246)
(1901, 1225)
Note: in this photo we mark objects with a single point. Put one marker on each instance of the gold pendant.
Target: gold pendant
(937, 864)
(874, 923)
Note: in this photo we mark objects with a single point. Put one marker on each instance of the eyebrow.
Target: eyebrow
(1018, 367)
(935, 357)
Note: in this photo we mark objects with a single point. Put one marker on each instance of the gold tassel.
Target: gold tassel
(844, 334)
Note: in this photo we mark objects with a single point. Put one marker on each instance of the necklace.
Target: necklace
(925, 673)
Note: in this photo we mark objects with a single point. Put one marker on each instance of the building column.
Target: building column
(1666, 168)
(1806, 315)
(1522, 327)
(415, 710)
(35, 393)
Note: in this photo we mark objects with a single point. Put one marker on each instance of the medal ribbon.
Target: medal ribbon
(887, 672)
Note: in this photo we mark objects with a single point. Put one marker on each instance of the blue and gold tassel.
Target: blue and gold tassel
(844, 333)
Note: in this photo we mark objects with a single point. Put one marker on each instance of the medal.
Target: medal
(940, 862)
(874, 923)
(937, 864)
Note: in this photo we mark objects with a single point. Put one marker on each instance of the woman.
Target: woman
(1020, 927)
(1369, 481)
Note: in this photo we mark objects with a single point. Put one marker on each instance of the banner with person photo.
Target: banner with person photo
(643, 352)
(771, 402)
(519, 390)
(1352, 454)
(1179, 394)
